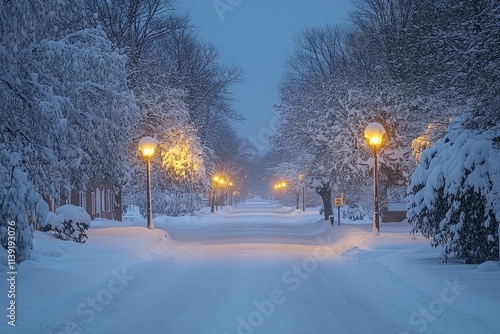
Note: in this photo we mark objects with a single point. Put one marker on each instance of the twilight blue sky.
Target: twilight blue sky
(257, 35)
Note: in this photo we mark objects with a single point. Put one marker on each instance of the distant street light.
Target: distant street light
(217, 192)
(217, 181)
(375, 135)
(280, 189)
(147, 147)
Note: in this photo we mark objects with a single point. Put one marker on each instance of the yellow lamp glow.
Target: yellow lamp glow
(147, 146)
(375, 141)
(374, 134)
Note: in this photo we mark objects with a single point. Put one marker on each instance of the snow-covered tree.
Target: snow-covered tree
(428, 138)
(178, 169)
(454, 194)
(66, 110)
(453, 51)
(101, 111)
(441, 55)
(20, 203)
(134, 26)
(165, 54)
(323, 114)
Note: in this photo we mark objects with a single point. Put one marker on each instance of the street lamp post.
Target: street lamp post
(215, 179)
(301, 178)
(303, 197)
(230, 194)
(280, 190)
(221, 193)
(374, 135)
(147, 147)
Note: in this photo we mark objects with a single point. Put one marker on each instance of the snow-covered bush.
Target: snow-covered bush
(354, 212)
(454, 194)
(69, 222)
(21, 206)
(182, 203)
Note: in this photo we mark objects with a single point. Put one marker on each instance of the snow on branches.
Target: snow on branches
(20, 203)
(454, 194)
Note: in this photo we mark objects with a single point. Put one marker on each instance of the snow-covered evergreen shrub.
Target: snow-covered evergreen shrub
(19, 203)
(69, 222)
(354, 212)
(454, 194)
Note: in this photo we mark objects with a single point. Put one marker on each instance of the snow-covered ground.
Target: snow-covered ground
(258, 268)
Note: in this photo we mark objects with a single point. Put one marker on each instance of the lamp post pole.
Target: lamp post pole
(150, 209)
(301, 178)
(374, 134)
(376, 222)
(212, 198)
(147, 147)
(303, 197)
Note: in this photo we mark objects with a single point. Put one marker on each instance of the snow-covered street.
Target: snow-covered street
(257, 268)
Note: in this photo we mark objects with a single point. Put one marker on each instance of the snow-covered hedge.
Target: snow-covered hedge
(69, 222)
(454, 194)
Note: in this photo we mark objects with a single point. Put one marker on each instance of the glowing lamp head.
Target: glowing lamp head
(147, 146)
(216, 178)
(375, 141)
(374, 134)
(283, 184)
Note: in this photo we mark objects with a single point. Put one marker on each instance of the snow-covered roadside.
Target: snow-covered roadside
(59, 269)
(399, 259)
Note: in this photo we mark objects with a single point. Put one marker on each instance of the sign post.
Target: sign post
(339, 201)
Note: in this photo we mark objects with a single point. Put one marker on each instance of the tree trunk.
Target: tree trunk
(117, 205)
(297, 200)
(326, 195)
